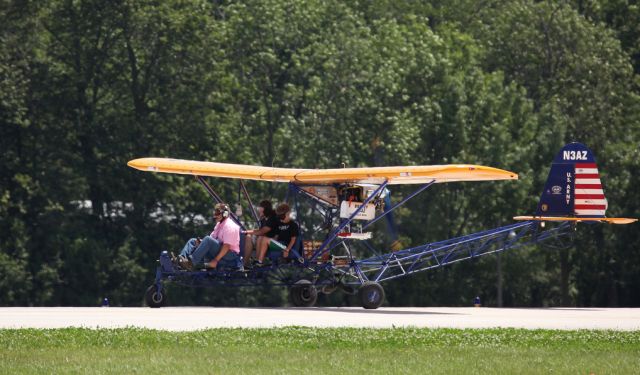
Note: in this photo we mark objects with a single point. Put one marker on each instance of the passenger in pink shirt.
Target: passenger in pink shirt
(221, 246)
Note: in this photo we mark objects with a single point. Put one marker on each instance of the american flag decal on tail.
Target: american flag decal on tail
(589, 196)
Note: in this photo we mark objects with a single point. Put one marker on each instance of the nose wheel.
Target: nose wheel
(371, 295)
(155, 297)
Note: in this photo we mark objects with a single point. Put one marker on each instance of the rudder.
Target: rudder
(573, 187)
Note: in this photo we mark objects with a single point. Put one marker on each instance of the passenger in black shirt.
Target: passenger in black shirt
(268, 227)
(287, 232)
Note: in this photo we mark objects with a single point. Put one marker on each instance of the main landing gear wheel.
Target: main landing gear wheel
(371, 295)
(303, 294)
(155, 298)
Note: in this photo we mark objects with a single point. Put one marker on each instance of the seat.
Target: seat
(233, 264)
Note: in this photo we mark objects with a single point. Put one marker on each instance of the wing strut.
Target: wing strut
(218, 199)
(248, 197)
(386, 212)
(334, 234)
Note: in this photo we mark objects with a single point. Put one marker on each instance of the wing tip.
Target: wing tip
(503, 173)
(136, 163)
(144, 164)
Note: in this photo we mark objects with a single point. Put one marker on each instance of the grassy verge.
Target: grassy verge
(309, 350)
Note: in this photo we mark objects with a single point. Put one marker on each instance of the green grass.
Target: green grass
(319, 351)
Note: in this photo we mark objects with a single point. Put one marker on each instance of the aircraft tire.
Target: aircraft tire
(371, 295)
(303, 294)
(155, 299)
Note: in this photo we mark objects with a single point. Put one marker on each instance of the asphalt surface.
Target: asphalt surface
(194, 318)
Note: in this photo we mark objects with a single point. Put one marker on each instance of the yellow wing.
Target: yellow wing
(611, 220)
(374, 175)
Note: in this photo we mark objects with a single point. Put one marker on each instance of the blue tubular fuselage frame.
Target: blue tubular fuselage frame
(378, 268)
(438, 254)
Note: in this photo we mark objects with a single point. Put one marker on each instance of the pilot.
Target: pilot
(222, 244)
(287, 232)
(268, 223)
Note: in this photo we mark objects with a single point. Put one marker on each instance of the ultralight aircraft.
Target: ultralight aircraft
(348, 201)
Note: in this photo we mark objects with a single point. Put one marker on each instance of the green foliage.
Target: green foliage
(87, 85)
(15, 280)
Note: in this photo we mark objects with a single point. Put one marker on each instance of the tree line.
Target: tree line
(87, 85)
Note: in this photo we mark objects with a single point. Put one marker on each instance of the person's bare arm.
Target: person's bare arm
(292, 242)
(259, 232)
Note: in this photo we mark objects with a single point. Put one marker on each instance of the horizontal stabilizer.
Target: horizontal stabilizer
(610, 220)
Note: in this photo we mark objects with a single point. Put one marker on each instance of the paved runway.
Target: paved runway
(194, 318)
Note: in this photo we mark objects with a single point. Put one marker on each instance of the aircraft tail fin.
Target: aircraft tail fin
(573, 190)
(573, 187)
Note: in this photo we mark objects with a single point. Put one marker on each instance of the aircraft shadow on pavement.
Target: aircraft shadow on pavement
(361, 311)
(552, 308)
